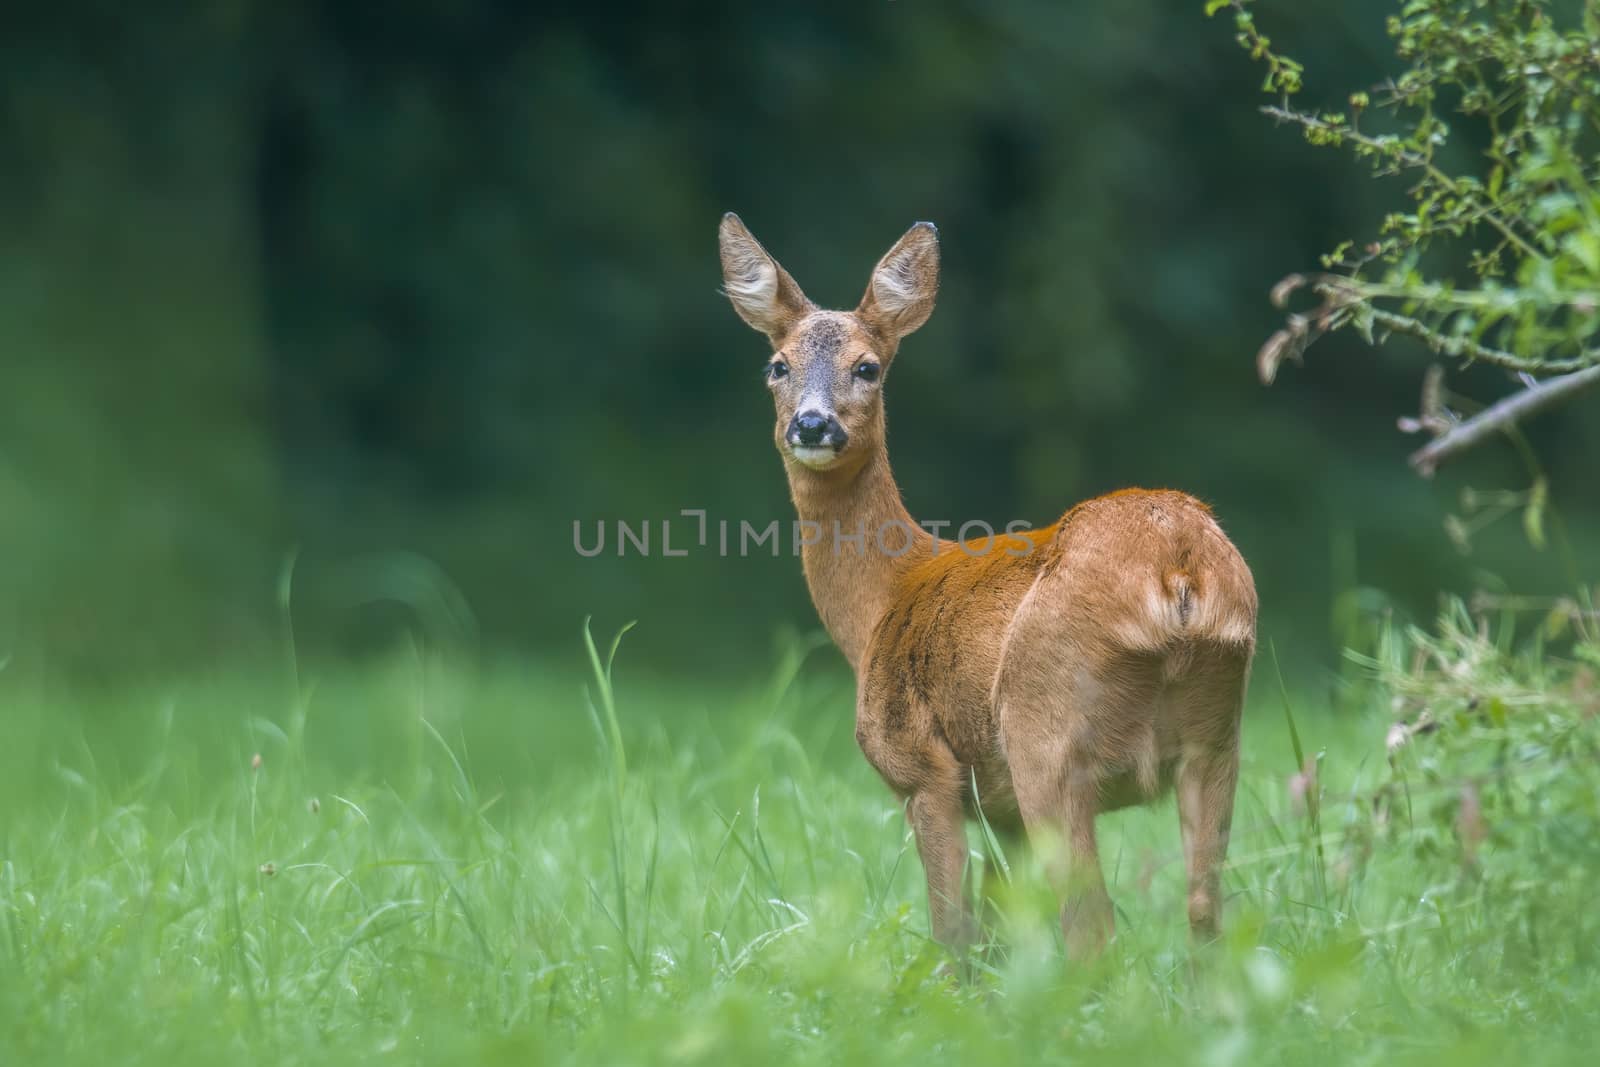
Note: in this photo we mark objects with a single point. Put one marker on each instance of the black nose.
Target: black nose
(813, 429)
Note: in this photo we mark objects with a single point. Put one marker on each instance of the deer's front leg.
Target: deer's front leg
(939, 823)
(898, 739)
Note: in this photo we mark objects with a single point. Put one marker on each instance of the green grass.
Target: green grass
(439, 864)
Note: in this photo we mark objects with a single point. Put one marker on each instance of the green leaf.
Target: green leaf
(1533, 514)
(1556, 623)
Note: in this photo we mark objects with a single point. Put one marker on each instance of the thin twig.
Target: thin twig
(1466, 348)
(1501, 415)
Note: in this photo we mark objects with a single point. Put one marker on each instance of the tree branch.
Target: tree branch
(1501, 415)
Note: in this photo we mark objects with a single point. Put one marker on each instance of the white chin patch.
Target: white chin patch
(814, 457)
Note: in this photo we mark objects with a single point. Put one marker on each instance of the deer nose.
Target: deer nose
(813, 429)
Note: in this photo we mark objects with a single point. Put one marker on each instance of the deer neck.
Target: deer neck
(854, 533)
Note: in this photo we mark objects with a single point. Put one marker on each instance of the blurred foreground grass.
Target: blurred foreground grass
(434, 864)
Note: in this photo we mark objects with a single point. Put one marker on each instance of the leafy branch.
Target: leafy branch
(1496, 258)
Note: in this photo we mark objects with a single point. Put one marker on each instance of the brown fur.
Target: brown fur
(1071, 670)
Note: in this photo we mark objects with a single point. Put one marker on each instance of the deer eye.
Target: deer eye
(777, 369)
(867, 371)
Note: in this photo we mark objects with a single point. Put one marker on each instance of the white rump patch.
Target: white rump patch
(1153, 627)
(1163, 618)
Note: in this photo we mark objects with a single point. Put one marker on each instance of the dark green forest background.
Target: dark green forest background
(406, 289)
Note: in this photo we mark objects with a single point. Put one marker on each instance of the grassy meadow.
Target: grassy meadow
(422, 861)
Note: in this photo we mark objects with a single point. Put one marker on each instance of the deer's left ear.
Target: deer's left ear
(904, 284)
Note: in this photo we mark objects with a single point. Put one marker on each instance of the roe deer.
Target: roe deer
(1070, 670)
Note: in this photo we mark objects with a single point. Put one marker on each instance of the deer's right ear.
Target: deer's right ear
(762, 292)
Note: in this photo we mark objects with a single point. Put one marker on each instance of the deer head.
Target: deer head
(827, 368)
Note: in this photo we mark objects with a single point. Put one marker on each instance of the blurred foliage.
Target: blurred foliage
(1493, 785)
(410, 294)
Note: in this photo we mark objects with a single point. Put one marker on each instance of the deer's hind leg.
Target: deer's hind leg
(1051, 724)
(1079, 734)
(1059, 800)
(1208, 704)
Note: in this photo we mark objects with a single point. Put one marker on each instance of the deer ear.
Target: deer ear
(762, 292)
(904, 284)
